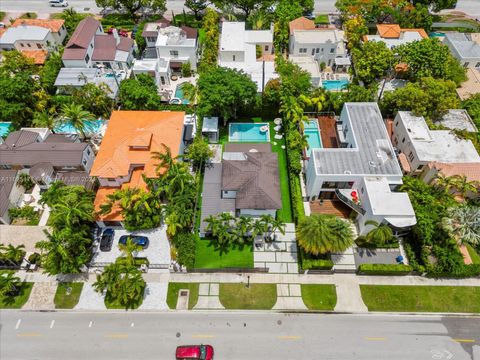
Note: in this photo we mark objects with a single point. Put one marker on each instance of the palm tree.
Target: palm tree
(45, 119)
(191, 93)
(108, 279)
(8, 284)
(463, 186)
(244, 226)
(130, 250)
(129, 290)
(213, 224)
(164, 158)
(380, 235)
(70, 213)
(320, 234)
(446, 182)
(259, 228)
(52, 195)
(15, 253)
(463, 223)
(77, 117)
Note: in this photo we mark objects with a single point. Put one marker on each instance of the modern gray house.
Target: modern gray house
(464, 48)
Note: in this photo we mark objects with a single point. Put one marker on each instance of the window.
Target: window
(478, 64)
(321, 49)
(29, 45)
(317, 50)
(233, 57)
(396, 123)
(411, 156)
(39, 46)
(22, 45)
(395, 140)
(87, 58)
(88, 152)
(302, 50)
(403, 140)
(111, 179)
(173, 52)
(91, 45)
(332, 51)
(266, 47)
(85, 162)
(162, 80)
(466, 64)
(313, 51)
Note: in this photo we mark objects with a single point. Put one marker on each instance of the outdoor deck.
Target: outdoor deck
(328, 131)
(330, 207)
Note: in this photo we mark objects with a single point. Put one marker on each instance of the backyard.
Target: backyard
(254, 297)
(208, 258)
(174, 288)
(421, 298)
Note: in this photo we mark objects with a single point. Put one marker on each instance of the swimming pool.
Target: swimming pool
(179, 93)
(92, 127)
(335, 85)
(4, 126)
(312, 132)
(248, 132)
(436, 34)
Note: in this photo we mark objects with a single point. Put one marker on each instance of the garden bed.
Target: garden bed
(64, 301)
(174, 288)
(16, 302)
(255, 297)
(319, 297)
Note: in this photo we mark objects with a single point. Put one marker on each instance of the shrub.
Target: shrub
(26, 212)
(296, 196)
(384, 269)
(138, 261)
(186, 69)
(186, 245)
(462, 271)
(29, 15)
(34, 258)
(318, 264)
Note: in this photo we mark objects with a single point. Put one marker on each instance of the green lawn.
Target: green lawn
(421, 298)
(201, 36)
(172, 295)
(64, 301)
(16, 302)
(473, 254)
(207, 257)
(322, 19)
(319, 297)
(255, 297)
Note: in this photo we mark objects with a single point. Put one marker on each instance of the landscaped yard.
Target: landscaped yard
(16, 302)
(255, 297)
(208, 258)
(319, 297)
(174, 288)
(115, 304)
(473, 254)
(322, 19)
(421, 298)
(64, 301)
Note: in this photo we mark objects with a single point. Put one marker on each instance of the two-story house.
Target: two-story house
(178, 46)
(465, 48)
(324, 45)
(392, 35)
(248, 50)
(90, 47)
(56, 27)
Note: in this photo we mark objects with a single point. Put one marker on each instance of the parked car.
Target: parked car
(54, 3)
(106, 240)
(136, 239)
(201, 352)
(121, 32)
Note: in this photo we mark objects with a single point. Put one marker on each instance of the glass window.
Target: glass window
(403, 140)
(87, 58)
(411, 156)
(174, 52)
(39, 46)
(266, 47)
(332, 51)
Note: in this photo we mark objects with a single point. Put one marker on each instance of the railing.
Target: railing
(349, 202)
(231, 270)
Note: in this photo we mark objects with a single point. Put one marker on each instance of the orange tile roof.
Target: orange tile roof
(390, 31)
(116, 156)
(470, 170)
(302, 23)
(38, 56)
(404, 162)
(136, 180)
(53, 25)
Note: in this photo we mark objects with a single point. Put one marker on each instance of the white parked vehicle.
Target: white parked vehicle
(63, 3)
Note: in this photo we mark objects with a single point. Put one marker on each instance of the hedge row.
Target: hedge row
(472, 270)
(384, 269)
(296, 196)
(317, 264)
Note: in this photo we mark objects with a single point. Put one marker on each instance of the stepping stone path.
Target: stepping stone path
(289, 297)
(208, 297)
(41, 297)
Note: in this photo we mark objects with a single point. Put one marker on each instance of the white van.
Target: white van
(63, 3)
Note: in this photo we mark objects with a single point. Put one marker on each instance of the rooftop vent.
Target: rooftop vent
(347, 172)
(372, 163)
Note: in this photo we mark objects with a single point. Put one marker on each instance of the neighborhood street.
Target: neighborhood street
(236, 335)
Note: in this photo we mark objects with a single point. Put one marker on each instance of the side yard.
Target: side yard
(254, 297)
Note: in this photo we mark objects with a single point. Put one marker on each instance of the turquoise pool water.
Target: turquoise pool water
(248, 132)
(93, 127)
(312, 132)
(436, 34)
(4, 128)
(335, 85)
(179, 93)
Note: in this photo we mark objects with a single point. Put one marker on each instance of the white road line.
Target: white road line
(132, 325)
(52, 323)
(18, 324)
(90, 324)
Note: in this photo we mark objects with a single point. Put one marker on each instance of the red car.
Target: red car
(194, 352)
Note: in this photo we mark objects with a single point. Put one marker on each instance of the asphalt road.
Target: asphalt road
(236, 336)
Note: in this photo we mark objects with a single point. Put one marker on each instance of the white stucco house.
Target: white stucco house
(362, 172)
(239, 49)
(308, 64)
(418, 145)
(465, 48)
(178, 46)
(392, 35)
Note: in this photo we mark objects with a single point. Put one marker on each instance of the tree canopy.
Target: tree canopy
(133, 6)
(372, 61)
(196, 6)
(139, 93)
(225, 91)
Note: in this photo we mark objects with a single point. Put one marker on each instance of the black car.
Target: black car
(107, 240)
(139, 240)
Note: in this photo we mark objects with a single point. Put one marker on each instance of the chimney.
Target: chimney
(116, 36)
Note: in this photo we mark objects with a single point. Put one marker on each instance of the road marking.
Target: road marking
(375, 338)
(52, 323)
(29, 335)
(90, 324)
(464, 340)
(289, 337)
(18, 324)
(117, 336)
(203, 336)
(132, 324)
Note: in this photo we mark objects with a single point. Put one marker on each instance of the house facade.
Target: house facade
(465, 48)
(250, 51)
(177, 46)
(362, 172)
(392, 35)
(56, 27)
(418, 145)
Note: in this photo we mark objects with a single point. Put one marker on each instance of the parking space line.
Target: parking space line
(52, 323)
(29, 335)
(291, 337)
(116, 336)
(464, 340)
(375, 338)
(203, 336)
(18, 324)
(90, 324)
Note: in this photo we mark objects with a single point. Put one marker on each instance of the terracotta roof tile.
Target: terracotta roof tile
(38, 56)
(390, 31)
(53, 25)
(302, 23)
(470, 170)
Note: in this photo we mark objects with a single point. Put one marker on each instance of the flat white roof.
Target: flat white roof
(437, 145)
(258, 36)
(307, 63)
(145, 65)
(254, 70)
(405, 38)
(458, 119)
(233, 36)
(24, 32)
(174, 36)
(318, 36)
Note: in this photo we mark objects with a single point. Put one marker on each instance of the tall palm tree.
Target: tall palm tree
(320, 234)
(9, 283)
(164, 157)
(380, 235)
(108, 279)
(70, 213)
(244, 226)
(463, 223)
(77, 117)
(129, 250)
(45, 119)
(15, 253)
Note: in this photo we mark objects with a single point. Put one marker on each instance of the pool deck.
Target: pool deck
(328, 131)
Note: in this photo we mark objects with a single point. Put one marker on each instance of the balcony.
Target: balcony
(345, 195)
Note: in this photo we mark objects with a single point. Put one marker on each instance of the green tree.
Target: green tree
(77, 117)
(372, 61)
(197, 6)
(437, 5)
(320, 234)
(463, 223)
(131, 7)
(54, 193)
(45, 119)
(355, 28)
(285, 12)
(94, 99)
(26, 181)
(186, 69)
(50, 71)
(9, 284)
(14, 62)
(418, 17)
(212, 39)
(247, 6)
(68, 213)
(472, 105)
(17, 99)
(139, 93)
(463, 186)
(373, 11)
(14, 253)
(225, 91)
(164, 158)
(380, 235)
(129, 250)
(198, 152)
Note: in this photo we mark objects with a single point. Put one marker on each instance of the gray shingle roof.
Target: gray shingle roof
(371, 154)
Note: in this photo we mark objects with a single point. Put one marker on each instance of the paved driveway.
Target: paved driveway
(375, 256)
(158, 251)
